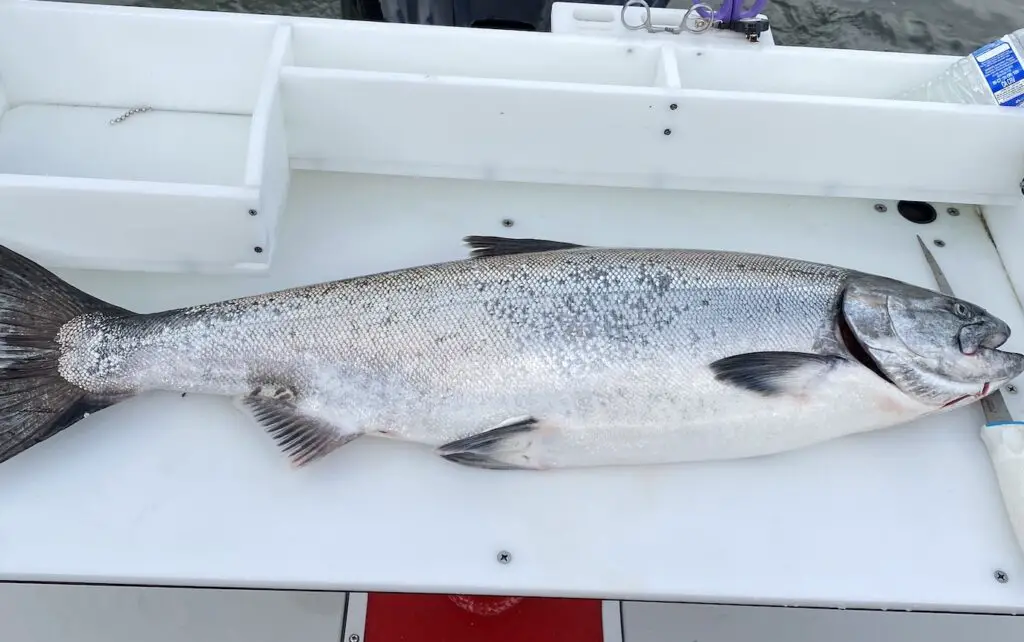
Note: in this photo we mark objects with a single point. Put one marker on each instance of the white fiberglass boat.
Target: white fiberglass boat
(161, 158)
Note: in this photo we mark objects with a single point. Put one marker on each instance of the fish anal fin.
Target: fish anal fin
(304, 438)
(774, 373)
(513, 444)
(500, 245)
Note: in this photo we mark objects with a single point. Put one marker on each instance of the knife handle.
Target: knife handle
(1004, 441)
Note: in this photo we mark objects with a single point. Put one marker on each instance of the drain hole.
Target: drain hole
(917, 211)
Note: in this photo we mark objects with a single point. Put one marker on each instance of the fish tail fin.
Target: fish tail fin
(36, 402)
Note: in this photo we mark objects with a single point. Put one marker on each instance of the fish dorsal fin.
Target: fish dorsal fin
(500, 245)
(300, 436)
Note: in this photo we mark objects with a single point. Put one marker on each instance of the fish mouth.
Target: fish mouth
(978, 395)
(857, 350)
(971, 345)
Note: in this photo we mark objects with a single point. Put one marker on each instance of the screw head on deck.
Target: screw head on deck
(1012, 389)
(504, 557)
(1001, 577)
(353, 638)
(253, 212)
(952, 211)
(939, 243)
(507, 222)
(667, 132)
(881, 208)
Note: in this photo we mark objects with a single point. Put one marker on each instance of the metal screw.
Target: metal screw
(881, 208)
(507, 222)
(353, 638)
(939, 243)
(673, 106)
(952, 211)
(1022, 186)
(258, 249)
(1001, 577)
(667, 132)
(252, 212)
(1012, 389)
(504, 557)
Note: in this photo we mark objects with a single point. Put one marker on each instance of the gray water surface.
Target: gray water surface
(954, 27)
(927, 26)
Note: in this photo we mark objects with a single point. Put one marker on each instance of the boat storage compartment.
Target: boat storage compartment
(638, 112)
(191, 180)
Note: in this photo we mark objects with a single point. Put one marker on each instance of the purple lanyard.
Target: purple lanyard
(732, 10)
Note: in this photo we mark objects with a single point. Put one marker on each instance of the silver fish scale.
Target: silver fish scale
(596, 338)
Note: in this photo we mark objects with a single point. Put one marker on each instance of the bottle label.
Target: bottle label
(999, 62)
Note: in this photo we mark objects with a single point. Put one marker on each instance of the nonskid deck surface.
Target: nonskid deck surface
(166, 489)
(102, 613)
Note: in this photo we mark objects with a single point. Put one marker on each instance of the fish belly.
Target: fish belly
(653, 417)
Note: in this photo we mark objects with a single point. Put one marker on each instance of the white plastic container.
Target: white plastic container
(990, 75)
(192, 181)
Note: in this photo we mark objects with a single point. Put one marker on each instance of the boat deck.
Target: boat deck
(185, 491)
(279, 151)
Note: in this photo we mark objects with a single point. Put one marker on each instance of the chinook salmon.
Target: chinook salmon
(528, 354)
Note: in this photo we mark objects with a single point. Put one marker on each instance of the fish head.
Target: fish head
(938, 349)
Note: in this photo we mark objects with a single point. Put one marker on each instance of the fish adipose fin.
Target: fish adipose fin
(36, 402)
(508, 446)
(302, 437)
(774, 373)
(500, 245)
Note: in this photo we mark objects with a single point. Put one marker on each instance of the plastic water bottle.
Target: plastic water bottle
(991, 75)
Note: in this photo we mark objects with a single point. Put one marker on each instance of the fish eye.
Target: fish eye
(961, 310)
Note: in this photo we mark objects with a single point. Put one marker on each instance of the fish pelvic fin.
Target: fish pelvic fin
(303, 437)
(513, 444)
(482, 246)
(774, 373)
(36, 401)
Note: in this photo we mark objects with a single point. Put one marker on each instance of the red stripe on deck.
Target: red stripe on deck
(400, 617)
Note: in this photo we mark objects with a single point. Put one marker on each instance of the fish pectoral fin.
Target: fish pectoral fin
(500, 245)
(302, 437)
(511, 445)
(774, 373)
